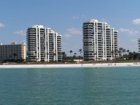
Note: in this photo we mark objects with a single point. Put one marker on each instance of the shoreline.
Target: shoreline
(89, 65)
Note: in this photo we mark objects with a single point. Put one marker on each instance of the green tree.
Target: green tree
(71, 55)
(71, 52)
(75, 54)
(80, 55)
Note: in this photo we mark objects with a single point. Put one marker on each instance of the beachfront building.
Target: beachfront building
(99, 41)
(139, 45)
(13, 52)
(43, 44)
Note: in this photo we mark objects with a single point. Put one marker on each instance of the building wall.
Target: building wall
(43, 44)
(12, 52)
(99, 41)
(59, 47)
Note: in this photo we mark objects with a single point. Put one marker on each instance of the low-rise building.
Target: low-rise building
(13, 52)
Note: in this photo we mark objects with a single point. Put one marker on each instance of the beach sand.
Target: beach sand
(90, 65)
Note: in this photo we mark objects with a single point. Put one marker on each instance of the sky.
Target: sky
(67, 16)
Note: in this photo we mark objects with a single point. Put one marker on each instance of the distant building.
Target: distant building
(99, 41)
(13, 52)
(139, 45)
(43, 44)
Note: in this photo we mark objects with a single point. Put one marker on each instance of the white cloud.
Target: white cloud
(136, 21)
(129, 31)
(74, 31)
(2, 25)
(70, 32)
(67, 35)
(20, 32)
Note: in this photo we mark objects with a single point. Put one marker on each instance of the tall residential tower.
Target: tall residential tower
(43, 44)
(99, 41)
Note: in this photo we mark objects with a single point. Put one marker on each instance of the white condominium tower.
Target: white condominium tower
(99, 41)
(43, 44)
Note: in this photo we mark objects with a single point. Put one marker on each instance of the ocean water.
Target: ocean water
(70, 86)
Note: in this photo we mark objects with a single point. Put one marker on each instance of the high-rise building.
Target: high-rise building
(13, 52)
(99, 41)
(43, 44)
(139, 45)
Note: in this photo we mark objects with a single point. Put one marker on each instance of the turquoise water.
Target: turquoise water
(77, 86)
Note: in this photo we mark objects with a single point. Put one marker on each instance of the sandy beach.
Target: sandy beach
(90, 65)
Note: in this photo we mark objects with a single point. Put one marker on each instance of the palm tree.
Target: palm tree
(120, 51)
(127, 51)
(64, 56)
(71, 52)
(124, 51)
(116, 53)
(80, 51)
(74, 55)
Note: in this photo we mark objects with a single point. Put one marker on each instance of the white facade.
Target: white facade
(99, 41)
(43, 44)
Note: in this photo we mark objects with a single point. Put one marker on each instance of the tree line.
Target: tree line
(123, 55)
